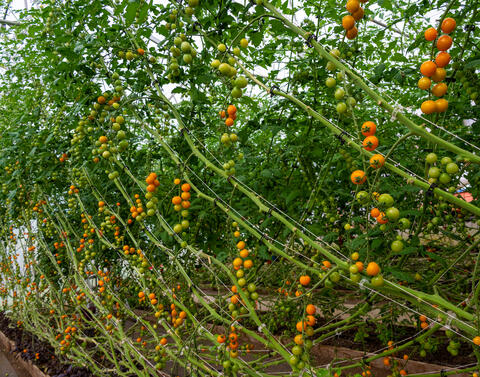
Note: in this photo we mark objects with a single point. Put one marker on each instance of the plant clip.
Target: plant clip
(195, 25)
(309, 39)
(261, 21)
(395, 111)
(430, 189)
(340, 137)
(369, 298)
(270, 211)
(272, 88)
(364, 360)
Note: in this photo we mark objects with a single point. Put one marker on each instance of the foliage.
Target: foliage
(106, 104)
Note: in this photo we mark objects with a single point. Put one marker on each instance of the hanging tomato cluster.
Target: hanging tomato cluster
(370, 143)
(434, 70)
(181, 203)
(228, 139)
(302, 345)
(356, 14)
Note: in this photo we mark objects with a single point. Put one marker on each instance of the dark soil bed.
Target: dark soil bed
(27, 345)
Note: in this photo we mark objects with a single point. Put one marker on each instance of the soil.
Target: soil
(10, 368)
(27, 345)
(339, 347)
(373, 344)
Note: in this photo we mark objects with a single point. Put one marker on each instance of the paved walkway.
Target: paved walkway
(7, 370)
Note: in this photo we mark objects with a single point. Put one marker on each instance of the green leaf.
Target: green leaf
(256, 38)
(473, 64)
(323, 373)
(387, 4)
(267, 173)
(130, 12)
(292, 196)
(376, 244)
(400, 275)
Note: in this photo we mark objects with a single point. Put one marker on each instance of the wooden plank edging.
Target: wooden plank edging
(8, 345)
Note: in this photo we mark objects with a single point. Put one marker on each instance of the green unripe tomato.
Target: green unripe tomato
(392, 213)
(241, 82)
(452, 168)
(330, 82)
(362, 197)
(444, 178)
(434, 172)
(236, 92)
(355, 277)
(185, 47)
(187, 58)
(297, 350)
(339, 94)
(352, 102)
(335, 53)
(404, 223)
(445, 160)
(177, 41)
(224, 68)
(397, 246)
(341, 107)
(331, 66)
(226, 364)
(335, 277)
(225, 139)
(431, 158)
(377, 281)
(386, 200)
(308, 344)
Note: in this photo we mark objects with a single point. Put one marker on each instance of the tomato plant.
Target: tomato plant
(209, 184)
